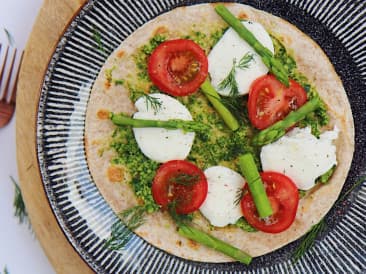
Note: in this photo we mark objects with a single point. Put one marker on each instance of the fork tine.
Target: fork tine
(8, 80)
(13, 92)
(3, 66)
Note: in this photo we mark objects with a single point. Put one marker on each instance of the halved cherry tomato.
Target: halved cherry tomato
(180, 182)
(284, 198)
(178, 67)
(270, 101)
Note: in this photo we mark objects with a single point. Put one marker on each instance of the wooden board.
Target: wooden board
(51, 22)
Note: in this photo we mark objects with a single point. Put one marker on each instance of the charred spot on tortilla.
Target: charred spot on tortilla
(115, 174)
(192, 244)
(120, 53)
(161, 30)
(103, 114)
(243, 16)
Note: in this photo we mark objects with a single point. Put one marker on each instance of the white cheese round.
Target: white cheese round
(159, 144)
(301, 156)
(224, 186)
(231, 47)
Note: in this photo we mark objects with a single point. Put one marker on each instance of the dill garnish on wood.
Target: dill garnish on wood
(19, 207)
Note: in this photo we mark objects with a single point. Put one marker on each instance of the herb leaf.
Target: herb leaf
(230, 81)
(119, 237)
(308, 240)
(151, 101)
(185, 179)
(179, 219)
(239, 196)
(10, 37)
(246, 60)
(18, 203)
(97, 37)
(133, 217)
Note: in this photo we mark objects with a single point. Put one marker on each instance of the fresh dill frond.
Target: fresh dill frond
(239, 196)
(179, 219)
(10, 37)
(119, 236)
(309, 239)
(245, 61)
(185, 179)
(150, 101)
(230, 81)
(133, 217)
(97, 37)
(6, 271)
(19, 207)
(236, 106)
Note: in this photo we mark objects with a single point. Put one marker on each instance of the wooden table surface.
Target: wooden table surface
(51, 22)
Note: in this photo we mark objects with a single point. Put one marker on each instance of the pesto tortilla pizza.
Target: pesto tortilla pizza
(227, 129)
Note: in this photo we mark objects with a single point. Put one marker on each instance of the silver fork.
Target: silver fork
(8, 84)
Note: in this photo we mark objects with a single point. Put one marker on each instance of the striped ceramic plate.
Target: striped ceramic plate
(337, 25)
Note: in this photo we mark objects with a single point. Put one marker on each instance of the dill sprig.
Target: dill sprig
(185, 179)
(18, 203)
(230, 81)
(119, 236)
(239, 196)
(179, 219)
(151, 101)
(97, 37)
(245, 61)
(308, 240)
(6, 271)
(10, 37)
(133, 217)
(129, 220)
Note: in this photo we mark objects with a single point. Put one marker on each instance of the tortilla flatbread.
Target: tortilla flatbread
(159, 229)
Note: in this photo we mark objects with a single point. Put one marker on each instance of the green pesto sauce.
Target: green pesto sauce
(319, 117)
(220, 146)
(142, 170)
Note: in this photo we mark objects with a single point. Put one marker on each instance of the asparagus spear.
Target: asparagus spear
(214, 98)
(273, 64)
(278, 129)
(124, 120)
(212, 242)
(256, 187)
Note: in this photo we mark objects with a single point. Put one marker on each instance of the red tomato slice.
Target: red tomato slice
(270, 101)
(181, 182)
(284, 198)
(178, 67)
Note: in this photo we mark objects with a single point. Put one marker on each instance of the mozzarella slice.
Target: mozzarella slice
(159, 144)
(301, 156)
(223, 186)
(231, 47)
